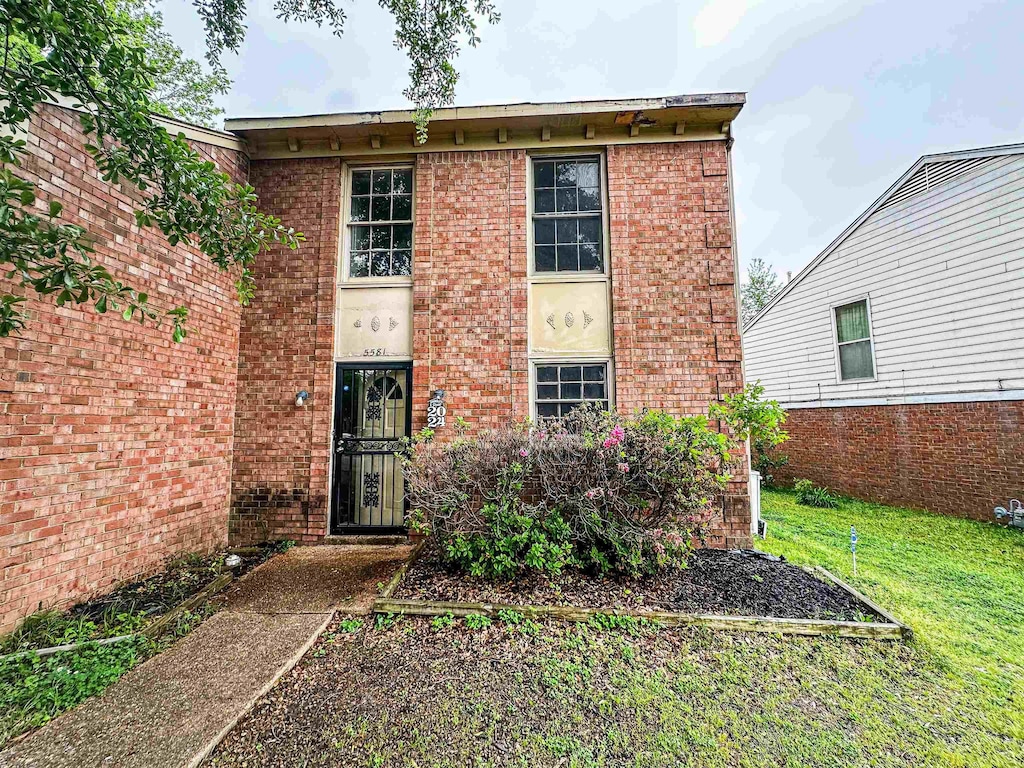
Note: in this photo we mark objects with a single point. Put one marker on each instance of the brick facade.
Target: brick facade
(115, 443)
(676, 343)
(960, 459)
(280, 479)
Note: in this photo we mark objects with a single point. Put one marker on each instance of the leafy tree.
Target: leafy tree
(182, 88)
(94, 54)
(762, 283)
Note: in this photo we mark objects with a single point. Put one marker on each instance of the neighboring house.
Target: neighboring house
(527, 258)
(899, 351)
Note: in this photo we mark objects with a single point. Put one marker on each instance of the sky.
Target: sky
(842, 96)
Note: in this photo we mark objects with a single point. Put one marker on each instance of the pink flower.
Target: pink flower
(623, 467)
(594, 493)
(523, 452)
(615, 437)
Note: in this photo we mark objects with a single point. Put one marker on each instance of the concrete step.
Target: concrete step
(389, 540)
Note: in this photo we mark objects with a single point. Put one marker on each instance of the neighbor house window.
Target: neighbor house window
(853, 334)
(567, 229)
(380, 223)
(565, 386)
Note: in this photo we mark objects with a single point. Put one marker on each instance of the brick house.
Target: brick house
(524, 259)
(899, 350)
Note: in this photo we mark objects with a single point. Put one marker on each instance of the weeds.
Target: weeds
(477, 621)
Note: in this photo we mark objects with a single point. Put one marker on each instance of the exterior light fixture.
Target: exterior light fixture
(301, 398)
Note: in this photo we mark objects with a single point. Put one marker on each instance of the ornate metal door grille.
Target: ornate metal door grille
(372, 413)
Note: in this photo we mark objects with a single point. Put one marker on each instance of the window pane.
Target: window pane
(360, 182)
(593, 391)
(381, 182)
(360, 238)
(359, 266)
(590, 199)
(544, 201)
(590, 258)
(402, 207)
(852, 321)
(381, 209)
(402, 236)
(403, 182)
(565, 200)
(380, 264)
(570, 373)
(401, 262)
(547, 410)
(544, 258)
(566, 231)
(565, 174)
(360, 209)
(380, 237)
(543, 231)
(593, 373)
(543, 174)
(568, 258)
(590, 230)
(571, 391)
(586, 174)
(855, 361)
(547, 373)
(547, 391)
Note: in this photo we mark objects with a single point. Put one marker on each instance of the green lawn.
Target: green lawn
(422, 693)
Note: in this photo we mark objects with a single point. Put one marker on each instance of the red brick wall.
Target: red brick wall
(676, 340)
(280, 480)
(469, 301)
(115, 443)
(960, 459)
(673, 290)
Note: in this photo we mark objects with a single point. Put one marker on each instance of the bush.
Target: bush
(593, 490)
(811, 495)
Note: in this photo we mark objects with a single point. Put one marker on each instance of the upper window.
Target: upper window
(560, 388)
(380, 223)
(567, 215)
(853, 335)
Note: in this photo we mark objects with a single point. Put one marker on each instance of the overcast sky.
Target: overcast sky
(842, 97)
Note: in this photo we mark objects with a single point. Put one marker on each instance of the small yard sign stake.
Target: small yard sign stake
(853, 548)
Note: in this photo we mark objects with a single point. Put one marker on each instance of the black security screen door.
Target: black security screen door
(372, 413)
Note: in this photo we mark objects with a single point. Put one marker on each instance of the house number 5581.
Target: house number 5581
(375, 352)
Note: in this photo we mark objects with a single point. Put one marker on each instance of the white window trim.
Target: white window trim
(568, 277)
(866, 298)
(345, 280)
(608, 362)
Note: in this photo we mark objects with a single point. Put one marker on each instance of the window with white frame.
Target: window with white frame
(567, 224)
(560, 387)
(380, 222)
(853, 337)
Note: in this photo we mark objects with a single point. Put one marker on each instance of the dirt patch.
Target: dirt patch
(731, 583)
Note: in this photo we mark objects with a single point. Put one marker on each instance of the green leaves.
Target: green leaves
(95, 57)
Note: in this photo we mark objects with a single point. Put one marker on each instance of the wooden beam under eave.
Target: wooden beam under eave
(545, 133)
(293, 144)
(634, 130)
(374, 141)
(590, 131)
(460, 136)
(503, 135)
(680, 128)
(335, 144)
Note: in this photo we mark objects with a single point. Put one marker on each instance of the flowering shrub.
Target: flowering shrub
(592, 490)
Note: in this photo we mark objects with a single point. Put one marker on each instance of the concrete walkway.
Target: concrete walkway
(172, 710)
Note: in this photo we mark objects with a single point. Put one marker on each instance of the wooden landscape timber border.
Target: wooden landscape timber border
(215, 586)
(891, 629)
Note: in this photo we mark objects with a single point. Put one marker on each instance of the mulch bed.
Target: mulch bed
(181, 579)
(733, 583)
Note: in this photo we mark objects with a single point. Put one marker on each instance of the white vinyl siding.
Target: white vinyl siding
(944, 275)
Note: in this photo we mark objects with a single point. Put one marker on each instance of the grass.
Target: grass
(411, 692)
(34, 690)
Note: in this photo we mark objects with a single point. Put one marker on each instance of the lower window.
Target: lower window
(564, 386)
